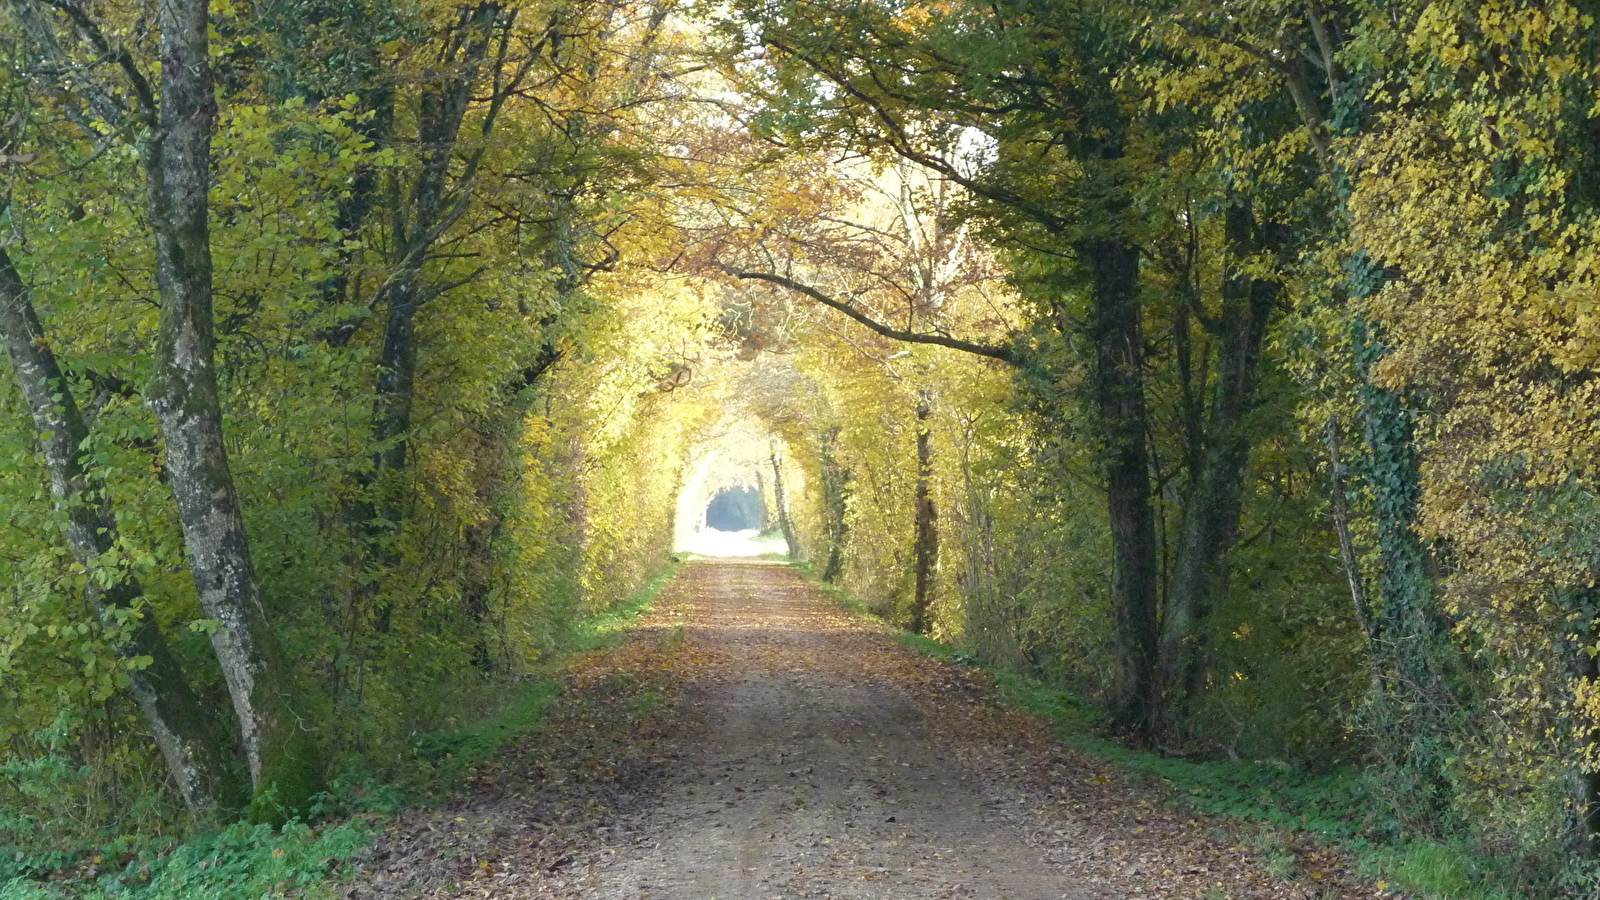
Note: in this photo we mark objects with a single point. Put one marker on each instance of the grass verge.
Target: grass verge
(1276, 802)
(1334, 809)
(240, 862)
(301, 861)
(443, 757)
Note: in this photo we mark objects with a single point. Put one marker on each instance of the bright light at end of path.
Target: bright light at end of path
(711, 542)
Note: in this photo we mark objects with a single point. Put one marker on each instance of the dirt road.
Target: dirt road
(754, 741)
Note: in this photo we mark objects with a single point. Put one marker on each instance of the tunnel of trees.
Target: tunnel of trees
(1229, 365)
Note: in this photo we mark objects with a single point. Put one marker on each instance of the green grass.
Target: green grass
(607, 628)
(245, 862)
(841, 596)
(1277, 801)
(1333, 808)
(241, 862)
(443, 757)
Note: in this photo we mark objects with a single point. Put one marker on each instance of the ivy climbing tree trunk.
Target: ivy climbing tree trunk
(1414, 697)
(284, 769)
(192, 739)
(927, 548)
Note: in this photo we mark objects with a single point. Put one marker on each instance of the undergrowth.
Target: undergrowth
(240, 862)
(443, 757)
(300, 860)
(1337, 808)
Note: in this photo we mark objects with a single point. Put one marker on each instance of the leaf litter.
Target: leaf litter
(752, 740)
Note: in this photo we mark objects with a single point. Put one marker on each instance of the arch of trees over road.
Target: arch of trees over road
(1232, 364)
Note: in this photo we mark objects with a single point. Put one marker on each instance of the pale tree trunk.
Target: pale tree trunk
(1339, 511)
(175, 134)
(192, 739)
(835, 484)
(781, 503)
(283, 766)
(927, 546)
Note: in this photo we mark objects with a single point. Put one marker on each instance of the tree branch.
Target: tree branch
(117, 53)
(1004, 354)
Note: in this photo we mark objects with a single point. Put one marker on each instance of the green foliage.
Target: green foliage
(1345, 807)
(1420, 194)
(258, 861)
(611, 625)
(534, 490)
(241, 862)
(58, 796)
(442, 757)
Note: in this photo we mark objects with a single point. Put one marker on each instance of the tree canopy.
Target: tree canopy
(1231, 365)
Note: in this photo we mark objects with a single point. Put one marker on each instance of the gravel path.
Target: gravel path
(754, 741)
(815, 769)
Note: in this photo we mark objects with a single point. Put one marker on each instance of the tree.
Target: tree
(193, 746)
(174, 130)
(1054, 168)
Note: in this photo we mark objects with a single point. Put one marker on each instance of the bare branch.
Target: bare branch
(1004, 354)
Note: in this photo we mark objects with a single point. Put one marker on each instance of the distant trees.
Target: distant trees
(1080, 199)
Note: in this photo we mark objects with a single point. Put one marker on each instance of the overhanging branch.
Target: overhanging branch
(1004, 354)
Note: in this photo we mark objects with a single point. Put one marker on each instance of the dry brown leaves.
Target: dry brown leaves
(579, 789)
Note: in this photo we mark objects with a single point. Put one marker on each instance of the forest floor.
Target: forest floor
(753, 740)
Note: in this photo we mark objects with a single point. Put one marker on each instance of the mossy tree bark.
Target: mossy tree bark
(282, 758)
(192, 739)
(174, 127)
(1117, 332)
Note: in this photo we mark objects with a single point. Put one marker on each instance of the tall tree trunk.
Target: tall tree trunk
(780, 502)
(1339, 509)
(927, 554)
(1213, 505)
(192, 740)
(1411, 705)
(420, 215)
(1118, 385)
(420, 219)
(835, 499)
(283, 764)
(397, 371)
(1411, 651)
